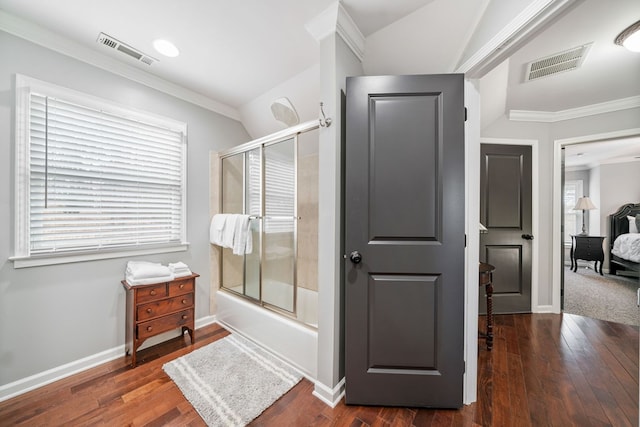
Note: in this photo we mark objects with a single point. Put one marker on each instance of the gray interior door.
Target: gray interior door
(404, 284)
(505, 209)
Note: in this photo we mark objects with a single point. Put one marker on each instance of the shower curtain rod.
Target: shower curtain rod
(274, 137)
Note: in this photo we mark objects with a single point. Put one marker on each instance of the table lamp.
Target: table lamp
(584, 204)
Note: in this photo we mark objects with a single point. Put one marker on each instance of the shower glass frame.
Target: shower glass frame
(262, 145)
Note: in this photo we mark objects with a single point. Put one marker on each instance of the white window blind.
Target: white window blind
(101, 180)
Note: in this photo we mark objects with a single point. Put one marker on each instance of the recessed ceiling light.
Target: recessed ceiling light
(166, 48)
(630, 37)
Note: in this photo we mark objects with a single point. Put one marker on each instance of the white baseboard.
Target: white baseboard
(330, 396)
(33, 382)
(543, 309)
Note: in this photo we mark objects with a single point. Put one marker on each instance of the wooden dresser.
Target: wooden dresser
(157, 308)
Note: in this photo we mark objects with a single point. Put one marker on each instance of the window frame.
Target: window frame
(22, 257)
(579, 185)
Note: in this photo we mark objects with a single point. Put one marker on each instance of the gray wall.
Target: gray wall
(546, 134)
(53, 315)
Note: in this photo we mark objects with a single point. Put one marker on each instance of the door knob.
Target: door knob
(527, 237)
(355, 257)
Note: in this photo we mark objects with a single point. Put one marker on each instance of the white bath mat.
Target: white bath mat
(231, 381)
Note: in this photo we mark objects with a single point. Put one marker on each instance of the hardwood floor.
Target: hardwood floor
(544, 370)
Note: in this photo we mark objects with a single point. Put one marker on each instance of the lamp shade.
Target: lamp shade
(584, 204)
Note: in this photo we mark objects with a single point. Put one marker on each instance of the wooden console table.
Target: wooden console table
(486, 280)
(156, 308)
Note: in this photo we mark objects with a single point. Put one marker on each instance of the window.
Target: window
(93, 179)
(572, 218)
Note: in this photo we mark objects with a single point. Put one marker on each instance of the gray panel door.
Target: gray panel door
(505, 209)
(405, 217)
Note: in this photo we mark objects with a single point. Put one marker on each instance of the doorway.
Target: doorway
(607, 201)
(592, 162)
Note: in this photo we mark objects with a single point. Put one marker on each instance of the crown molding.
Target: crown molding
(335, 19)
(50, 40)
(574, 113)
(516, 31)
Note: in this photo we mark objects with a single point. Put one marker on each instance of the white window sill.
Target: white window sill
(37, 261)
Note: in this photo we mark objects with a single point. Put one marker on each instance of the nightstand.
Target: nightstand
(588, 248)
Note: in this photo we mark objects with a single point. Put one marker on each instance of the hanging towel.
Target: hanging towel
(217, 228)
(242, 241)
(229, 231)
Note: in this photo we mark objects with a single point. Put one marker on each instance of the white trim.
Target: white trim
(330, 396)
(535, 214)
(518, 30)
(43, 37)
(49, 376)
(472, 255)
(335, 19)
(545, 309)
(575, 113)
(556, 241)
(53, 259)
(350, 33)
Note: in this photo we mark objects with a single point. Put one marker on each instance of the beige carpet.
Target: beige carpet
(607, 297)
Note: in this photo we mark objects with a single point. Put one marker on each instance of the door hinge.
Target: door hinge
(465, 240)
(465, 114)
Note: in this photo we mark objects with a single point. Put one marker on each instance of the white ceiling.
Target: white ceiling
(234, 52)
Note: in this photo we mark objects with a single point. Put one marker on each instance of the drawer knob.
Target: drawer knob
(181, 285)
(184, 317)
(184, 301)
(149, 328)
(149, 310)
(153, 292)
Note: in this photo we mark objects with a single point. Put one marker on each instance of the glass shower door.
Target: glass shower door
(279, 234)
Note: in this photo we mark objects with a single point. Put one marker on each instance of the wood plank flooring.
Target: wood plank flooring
(544, 370)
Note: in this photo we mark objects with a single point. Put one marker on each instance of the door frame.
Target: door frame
(535, 217)
(556, 221)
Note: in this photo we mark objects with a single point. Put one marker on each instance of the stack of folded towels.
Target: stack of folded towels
(144, 272)
(180, 269)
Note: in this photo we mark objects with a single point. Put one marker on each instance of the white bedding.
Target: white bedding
(627, 246)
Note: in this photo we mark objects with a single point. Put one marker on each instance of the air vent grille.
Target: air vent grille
(568, 60)
(113, 43)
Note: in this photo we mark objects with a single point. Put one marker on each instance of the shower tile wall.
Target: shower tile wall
(308, 223)
(232, 193)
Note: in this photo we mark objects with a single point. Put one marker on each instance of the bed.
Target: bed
(624, 247)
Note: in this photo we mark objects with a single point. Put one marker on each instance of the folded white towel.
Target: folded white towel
(217, 228)
(180, 269)
(148, 281)
(144, 270)
(242, 241)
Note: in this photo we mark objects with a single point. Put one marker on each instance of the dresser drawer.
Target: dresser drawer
(151, 293)
(163, 324)
(181, 287)
(159, 308)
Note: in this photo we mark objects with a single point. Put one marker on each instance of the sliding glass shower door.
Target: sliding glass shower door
(279, 246)
(262, 184)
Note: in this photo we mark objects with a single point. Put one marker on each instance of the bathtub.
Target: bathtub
(287, 338)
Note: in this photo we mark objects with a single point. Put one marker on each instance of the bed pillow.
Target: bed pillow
(633, 223)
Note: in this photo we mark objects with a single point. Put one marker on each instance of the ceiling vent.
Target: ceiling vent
(557, 63)
(108, 41)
